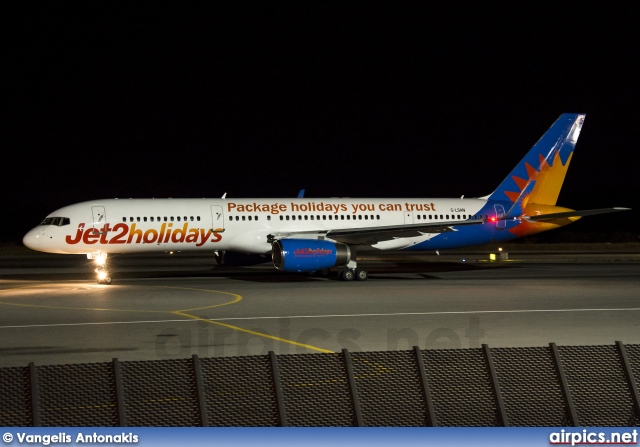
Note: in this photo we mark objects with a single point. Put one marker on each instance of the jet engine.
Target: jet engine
(308, 255)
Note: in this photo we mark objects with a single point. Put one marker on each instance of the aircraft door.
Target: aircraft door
(99, 217)
(501, 224)
(217, 218)
(408, 217)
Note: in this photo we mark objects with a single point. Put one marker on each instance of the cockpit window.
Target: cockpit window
(56, 221)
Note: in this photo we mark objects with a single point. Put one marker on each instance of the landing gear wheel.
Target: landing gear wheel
(361, 275)
(106, 280)
(347, 275)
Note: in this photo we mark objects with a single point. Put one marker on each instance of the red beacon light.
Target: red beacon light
(493, 219)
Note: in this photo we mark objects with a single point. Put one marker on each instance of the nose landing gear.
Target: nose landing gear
(103, 276)
(102, 273)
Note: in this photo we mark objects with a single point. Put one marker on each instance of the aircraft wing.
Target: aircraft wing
(373, 235)
(541, 217)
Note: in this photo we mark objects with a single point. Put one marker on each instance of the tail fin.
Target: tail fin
(539, 175)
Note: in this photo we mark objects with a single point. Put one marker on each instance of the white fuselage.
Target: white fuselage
(244, 225)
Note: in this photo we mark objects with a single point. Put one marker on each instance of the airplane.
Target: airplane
(308, 234)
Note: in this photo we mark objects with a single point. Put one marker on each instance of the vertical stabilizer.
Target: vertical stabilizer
(539, 175)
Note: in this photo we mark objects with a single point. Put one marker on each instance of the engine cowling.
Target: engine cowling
(308, 255)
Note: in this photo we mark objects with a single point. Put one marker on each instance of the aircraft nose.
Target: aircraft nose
(32, 239)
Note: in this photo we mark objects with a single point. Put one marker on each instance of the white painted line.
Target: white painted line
(404, 314)
(399, 314)
(94, 324)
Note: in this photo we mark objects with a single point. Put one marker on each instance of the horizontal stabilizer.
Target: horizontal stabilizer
(552, 216)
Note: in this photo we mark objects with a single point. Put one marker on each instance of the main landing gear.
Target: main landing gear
(351, 272)
(348, 274)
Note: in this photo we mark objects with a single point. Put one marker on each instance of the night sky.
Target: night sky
(355, 99)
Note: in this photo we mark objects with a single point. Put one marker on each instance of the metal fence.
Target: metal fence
(538, 386)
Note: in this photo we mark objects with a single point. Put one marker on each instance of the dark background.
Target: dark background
(357, 99)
